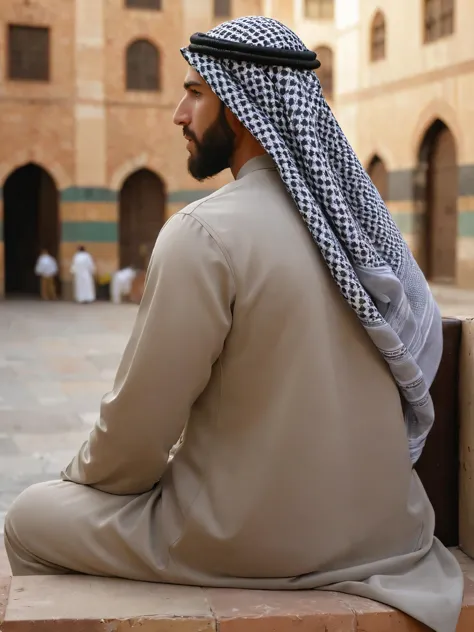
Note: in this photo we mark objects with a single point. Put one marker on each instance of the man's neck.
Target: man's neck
(243, 155)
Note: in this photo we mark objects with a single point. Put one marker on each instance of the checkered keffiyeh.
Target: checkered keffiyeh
(375, 271)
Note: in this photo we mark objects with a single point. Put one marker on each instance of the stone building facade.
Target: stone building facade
(88, 152)
(89, 155)
(405, 99)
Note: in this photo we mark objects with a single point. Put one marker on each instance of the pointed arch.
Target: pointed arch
(31, 223)
(434, 110)
(379, 175)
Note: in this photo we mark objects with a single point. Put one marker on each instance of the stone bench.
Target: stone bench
(89, 604)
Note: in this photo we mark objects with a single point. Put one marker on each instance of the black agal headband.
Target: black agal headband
(263, 55)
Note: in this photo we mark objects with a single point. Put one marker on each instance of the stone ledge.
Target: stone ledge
(88, 604)
(76, 603)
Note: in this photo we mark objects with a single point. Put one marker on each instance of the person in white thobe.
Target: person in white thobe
(122, 284)
(83, 270)
(47, 268)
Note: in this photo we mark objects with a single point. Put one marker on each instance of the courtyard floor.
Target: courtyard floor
(57, 360)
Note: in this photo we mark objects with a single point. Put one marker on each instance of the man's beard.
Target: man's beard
(214, 151)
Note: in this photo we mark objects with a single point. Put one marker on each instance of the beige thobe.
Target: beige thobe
(294, 472)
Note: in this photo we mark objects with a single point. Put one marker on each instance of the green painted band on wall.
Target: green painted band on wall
(409, 223)
(466, 180)
(97, 194)
(400, 187)
(466, 224)
(88, 194)
(106, 232)
(187, 196)
(401, 183)
(405, 222)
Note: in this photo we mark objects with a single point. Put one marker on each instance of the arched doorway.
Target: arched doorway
(379, 176)
(436, 195)
(31, 223)
(142, 212)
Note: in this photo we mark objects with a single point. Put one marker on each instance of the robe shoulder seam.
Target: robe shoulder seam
(214, 235)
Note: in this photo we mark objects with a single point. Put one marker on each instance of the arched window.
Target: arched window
(319, 9)
(143, 67)
(152, 5)
(377, 37)
(439, 19)
(326, 71)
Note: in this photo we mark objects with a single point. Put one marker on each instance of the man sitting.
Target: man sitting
(287, 328)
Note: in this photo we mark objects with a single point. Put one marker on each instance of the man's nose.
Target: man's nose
(181, 116)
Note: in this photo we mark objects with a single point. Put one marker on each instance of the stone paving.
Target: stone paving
(57, 360)
(454, 302)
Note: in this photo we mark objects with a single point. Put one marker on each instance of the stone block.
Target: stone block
(91, 604)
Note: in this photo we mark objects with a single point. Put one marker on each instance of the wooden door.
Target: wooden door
(442, 208)
(48, 215)
(142, 206)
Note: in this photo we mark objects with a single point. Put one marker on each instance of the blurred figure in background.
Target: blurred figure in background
(122, 284)
(83, 270)
(47, 269)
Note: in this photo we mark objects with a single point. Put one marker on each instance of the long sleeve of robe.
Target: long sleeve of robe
(183, 320)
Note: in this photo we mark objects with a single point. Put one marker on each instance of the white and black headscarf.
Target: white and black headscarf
(262, 72)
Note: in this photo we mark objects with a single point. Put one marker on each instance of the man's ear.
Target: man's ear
(234, 123)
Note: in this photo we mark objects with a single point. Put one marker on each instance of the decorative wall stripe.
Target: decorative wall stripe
(187, 196)
(400, 185)
(88, 194)
(405, 222)
(408, 223)
(466, 224)
(105, 232)
(466, 180)
(95, 194)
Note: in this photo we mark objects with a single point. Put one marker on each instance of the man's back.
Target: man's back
(296, 449)
(294, 471)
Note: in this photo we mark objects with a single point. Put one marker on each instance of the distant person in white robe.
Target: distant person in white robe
(83, 270)
(47, 268)
(122, 284)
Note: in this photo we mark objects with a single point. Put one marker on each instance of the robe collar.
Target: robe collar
(256, 164)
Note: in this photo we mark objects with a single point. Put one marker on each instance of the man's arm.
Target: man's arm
(182, 323)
